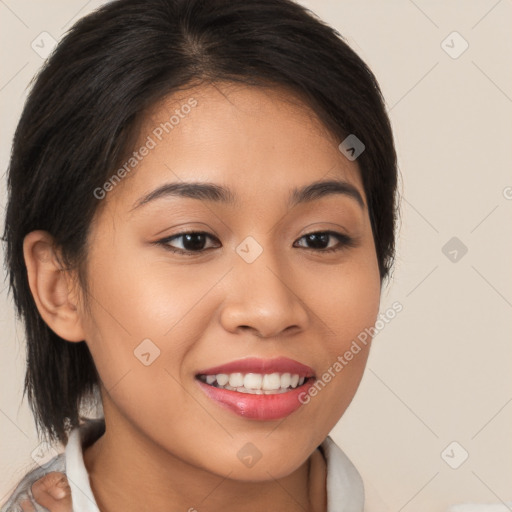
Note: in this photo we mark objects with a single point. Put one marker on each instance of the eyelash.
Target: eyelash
(345, 242)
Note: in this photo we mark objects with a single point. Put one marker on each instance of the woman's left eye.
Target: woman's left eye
(320, 238)
(194, 242)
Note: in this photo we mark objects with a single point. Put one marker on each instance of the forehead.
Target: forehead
(250, 139)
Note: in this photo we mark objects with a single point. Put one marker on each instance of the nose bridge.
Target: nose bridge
(265, 276)
(262, 297)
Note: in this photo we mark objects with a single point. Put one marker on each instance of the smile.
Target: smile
(254, 383)
(258, 389)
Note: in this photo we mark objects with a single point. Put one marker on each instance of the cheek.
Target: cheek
(145, 320)
(346, 299)
(138, 363)
(138, 299)
(347, 309)
(135, 328)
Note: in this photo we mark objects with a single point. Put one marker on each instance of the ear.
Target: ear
(51, 286)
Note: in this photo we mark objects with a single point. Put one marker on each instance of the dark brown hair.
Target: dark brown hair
(80, 117)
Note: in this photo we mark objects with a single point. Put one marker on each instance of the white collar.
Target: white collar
(345, 491)
(78, 478)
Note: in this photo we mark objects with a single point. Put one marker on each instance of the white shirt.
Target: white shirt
(345, 491)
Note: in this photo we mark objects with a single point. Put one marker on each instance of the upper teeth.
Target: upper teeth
(255, 383)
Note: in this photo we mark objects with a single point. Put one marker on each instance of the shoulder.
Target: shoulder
(70, 463)
(23, 492)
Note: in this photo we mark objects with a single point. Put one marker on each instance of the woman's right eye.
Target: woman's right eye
(192, 242)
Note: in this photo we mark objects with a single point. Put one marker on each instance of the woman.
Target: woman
(200, 221)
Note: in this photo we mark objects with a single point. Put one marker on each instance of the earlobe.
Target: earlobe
(50, 285)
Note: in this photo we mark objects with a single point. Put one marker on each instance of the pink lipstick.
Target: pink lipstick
(260, 389)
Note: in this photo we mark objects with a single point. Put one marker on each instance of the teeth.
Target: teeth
(271, 382)
(255, 383)
(222, 379)
(236, 380)
(286, 380)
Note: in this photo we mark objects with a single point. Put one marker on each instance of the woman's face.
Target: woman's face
(253, 285)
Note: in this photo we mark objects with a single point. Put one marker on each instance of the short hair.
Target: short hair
(80, 118)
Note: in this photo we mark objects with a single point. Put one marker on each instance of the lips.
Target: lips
(263, 366)
(262, 389)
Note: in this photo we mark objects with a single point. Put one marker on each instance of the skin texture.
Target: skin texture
(166, 442)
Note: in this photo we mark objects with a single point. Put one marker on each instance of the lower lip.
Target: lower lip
(258, 407)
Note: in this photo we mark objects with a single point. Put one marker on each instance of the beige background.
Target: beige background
(441, 370)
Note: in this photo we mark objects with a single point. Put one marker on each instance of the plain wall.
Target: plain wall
(441, 370)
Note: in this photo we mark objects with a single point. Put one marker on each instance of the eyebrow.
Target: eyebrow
(220, 194)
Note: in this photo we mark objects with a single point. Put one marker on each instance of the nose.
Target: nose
(264, 297)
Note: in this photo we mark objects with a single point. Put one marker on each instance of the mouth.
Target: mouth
(258, 389)
(255, 383)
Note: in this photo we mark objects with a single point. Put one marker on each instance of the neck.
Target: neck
(146, 477)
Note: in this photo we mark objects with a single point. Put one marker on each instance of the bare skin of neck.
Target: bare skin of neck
(120, 484)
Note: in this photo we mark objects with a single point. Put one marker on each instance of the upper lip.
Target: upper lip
(263, 366)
